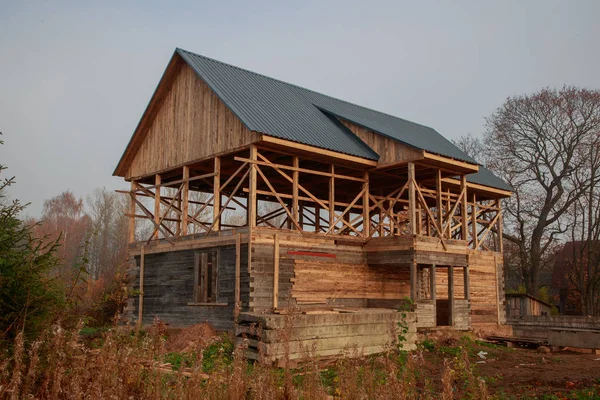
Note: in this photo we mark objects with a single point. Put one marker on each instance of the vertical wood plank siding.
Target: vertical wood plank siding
(191, 123)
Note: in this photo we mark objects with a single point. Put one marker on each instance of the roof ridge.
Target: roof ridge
(301, 87)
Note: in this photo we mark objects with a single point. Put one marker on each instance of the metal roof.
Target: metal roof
(290, 112)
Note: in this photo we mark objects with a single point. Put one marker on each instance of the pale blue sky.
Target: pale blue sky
(76, 77)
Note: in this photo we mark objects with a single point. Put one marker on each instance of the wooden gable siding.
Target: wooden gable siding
(192, 123)
(390, 151)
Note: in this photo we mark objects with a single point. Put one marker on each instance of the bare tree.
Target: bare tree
(108, 236)
(583, 267)
(540, 144)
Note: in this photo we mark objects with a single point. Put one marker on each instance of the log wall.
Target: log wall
(169, 289)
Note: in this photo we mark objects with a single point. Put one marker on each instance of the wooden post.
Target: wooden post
(300, 218)
(411, 199)
(438, 201)
(500, 228)
(141, 296)
(238, 261)
(217, 194)
(185, 193)
(317, 218)
(132, 208)
(433, 284)
(474, 222)
(156, 203)
(252, 192)
(464, 232)
(451, 295)
(467, 283)
(413, 281)
(275, 270)
(365, 201)
(295, 178)
(448, 216)
(332, 199)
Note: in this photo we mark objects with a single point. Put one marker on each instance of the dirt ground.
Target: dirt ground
(527, 370)
(523, 372)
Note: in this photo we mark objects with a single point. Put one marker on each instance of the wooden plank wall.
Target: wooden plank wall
(484, 287)
(390, 151)
(169, 287)
(192, 123)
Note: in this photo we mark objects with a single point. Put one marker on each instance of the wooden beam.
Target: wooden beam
(413, 281)
(438, 200)
(252, 190)
(467, 282)
(141, 296)
(185, 201)
(238, 262)
(366, 208)
(451, 295)
(217, 194)
(488, 190)
(156, 204)
(433, 287)
(295, 177)
(500, 227)
(464, 232)
(474, 233)
(332, 196)
(317, 150)
(275, 270)
(411, 199)
(132, 212)
(462, 165)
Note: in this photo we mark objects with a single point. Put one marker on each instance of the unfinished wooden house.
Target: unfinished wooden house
(251, 197)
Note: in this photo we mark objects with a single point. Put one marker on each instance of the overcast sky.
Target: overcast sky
(75, 79)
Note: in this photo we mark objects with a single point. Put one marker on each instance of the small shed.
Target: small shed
(520, 304)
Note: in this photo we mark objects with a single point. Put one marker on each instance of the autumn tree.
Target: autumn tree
(541, 145)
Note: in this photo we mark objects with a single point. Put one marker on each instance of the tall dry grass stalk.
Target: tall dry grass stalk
(128, 365)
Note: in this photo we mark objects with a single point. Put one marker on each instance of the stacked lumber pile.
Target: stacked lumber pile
(273, 338)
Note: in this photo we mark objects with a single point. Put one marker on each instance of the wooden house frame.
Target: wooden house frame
(338, 207)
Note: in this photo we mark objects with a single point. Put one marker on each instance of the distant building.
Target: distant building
(521, 304)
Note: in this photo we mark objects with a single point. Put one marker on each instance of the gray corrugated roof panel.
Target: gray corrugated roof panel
(487, 178)
(290, 112)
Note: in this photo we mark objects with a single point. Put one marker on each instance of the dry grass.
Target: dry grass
(122, 364)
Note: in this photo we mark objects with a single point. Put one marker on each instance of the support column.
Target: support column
(464, 232)
(433, 284)
(156, 203)
(295, 204)
(217, 193)
(275, 271)
(467, 282)
(238, 262)
(141, 295)
(185, 193)
(132, 208)
(252, 191)
(474, 222)
(438, 202)
(365, 201)
(317, 218)
(332, 199)
(413, 281)
(411, 199)
(450, 295)
(499, 227)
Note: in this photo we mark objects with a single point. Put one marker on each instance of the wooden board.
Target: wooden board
(191, 123)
